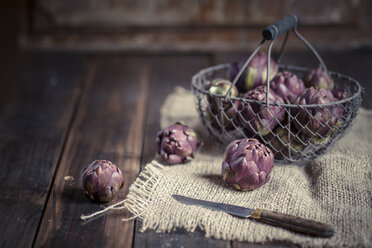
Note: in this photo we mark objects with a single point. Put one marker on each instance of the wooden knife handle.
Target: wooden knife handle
(293, 223)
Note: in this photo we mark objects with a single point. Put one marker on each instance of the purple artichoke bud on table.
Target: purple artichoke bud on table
(280, 144)
(318, 78)
(317, 122)
(177, 143)
(247, 164)
(340, 94)
(254, 74)
(287, 85)
(262, 119)
(101, 180)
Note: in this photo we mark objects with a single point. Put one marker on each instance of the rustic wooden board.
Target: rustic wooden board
(37, 99)
(224, 25)
(60, 112)
(168, 72)
(186, 13)
(108, 125)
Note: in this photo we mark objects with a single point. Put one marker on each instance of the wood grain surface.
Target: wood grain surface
(108, 125)
(168, 72)
(59, 112)
(34, 118)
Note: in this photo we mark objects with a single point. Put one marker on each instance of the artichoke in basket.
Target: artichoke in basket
(319, 122)
(101, 180)
(222, 112)
(318, 78)
(247, 164)
(221, 87)
(257, 117)
(177, 143)
(340, 94)
(254, 74)
(280, 144)
(287, 85)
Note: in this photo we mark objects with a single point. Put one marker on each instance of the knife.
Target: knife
(292, 223)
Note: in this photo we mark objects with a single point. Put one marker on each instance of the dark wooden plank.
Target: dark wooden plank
(168, 72)
(108, 125)
(178, 238)
(37, 97)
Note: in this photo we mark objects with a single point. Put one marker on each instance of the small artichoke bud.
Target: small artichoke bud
(258, 118)
(340, 94)
(254, 74)
(320, 121)
(247, 164)
(222, 112)
(287, 85)
(177, 143)
(221, 87)
(280, 145)
(318, 78)
(101, 180)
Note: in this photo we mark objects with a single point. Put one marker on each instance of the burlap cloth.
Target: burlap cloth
(335, 189)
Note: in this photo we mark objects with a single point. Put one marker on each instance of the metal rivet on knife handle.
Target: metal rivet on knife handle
(256, 214)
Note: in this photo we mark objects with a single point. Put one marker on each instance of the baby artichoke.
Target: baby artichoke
(177, 143)
(318, 78)
(257, 117)
(340, 94)
(222, 112)
(287, 85)
(317, 122)
(254, 74)
(247, 164)
(101, 180)
(280, 144)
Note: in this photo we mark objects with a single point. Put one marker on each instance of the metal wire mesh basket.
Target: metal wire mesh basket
(287, 140)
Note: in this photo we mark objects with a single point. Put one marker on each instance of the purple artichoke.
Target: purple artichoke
(247, 164)
(222, 112)
(255, 73)
(221, 87)
(177, 143)
(317, 122)
(340, 94)
(262, 119)
(278, 142)
(101, 180)
(287, 85)
(318, 78)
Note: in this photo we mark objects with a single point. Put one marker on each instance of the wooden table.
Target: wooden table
(60, 111)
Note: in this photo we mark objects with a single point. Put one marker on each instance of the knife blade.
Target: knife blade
(290, 222)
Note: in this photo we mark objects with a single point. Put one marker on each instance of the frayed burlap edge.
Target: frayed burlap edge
(139, 196)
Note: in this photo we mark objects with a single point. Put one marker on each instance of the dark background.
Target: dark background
(183, 25)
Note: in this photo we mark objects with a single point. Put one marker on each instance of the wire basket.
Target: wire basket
(292, 139)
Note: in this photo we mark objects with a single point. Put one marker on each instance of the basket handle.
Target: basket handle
(284, 25)
(269, 33)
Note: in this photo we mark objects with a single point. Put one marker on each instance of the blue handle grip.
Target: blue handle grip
(281, 26)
